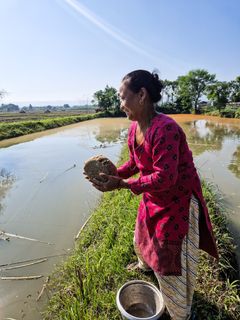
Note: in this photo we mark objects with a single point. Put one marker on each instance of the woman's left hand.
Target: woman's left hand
(108, 183)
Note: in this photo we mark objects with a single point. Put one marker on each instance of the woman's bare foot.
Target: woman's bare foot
(136, 266)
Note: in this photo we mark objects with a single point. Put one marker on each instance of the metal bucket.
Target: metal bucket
(139, 299)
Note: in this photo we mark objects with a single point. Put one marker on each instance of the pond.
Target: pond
(44, 196)
(215, 143)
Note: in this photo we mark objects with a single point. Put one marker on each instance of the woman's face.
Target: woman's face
(130, 102)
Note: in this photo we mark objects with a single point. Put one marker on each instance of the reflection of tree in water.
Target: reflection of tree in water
(234, 166)
(204, 135)
(6, 181)
(226, 130)
(107, 136)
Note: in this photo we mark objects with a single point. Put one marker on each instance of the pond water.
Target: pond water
(44, 196)
(215, 143)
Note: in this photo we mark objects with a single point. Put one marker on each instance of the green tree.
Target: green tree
(168, 102)
(66, 106)
(10, 107)
(191, 88)
(219, 93)
(235, 90)
(107, 99)
(169, 91)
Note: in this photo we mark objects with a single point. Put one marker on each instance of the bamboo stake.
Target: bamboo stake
(53, 256)
(24, 265)
(74, 166)
(22, 237)
(81, 229)
(22, 278)
(43, 288)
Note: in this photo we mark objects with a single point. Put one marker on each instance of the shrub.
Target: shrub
(167, 108)
(237, 113)
(228, 113)
(215, 113)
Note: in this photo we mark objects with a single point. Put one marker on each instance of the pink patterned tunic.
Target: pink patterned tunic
(168, 178)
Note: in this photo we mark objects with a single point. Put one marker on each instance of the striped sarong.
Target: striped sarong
(177, 291)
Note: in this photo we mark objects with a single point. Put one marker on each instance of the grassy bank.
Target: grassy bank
(85, 286)
(19, 128)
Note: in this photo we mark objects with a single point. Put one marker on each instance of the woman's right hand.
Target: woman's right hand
(108, 183)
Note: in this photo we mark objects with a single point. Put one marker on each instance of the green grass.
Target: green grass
(38, 115)
(85, 286)
(19, 128)
(217, 291)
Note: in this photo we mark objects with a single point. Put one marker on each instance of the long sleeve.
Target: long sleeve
(165, 158)
(129, 168)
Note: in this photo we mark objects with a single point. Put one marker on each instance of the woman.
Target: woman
(173, 221)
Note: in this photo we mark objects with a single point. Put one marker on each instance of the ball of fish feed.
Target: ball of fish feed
(99, 164)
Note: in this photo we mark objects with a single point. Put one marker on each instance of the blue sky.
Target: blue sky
(62, 51)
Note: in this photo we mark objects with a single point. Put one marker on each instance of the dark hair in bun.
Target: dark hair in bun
(144, 79)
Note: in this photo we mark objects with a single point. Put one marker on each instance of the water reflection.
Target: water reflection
(107, 137)
(234, 166)
(215, 143)
(6, 181)
(205, 135)
(49, 202)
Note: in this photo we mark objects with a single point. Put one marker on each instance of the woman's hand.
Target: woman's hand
(108, 182)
